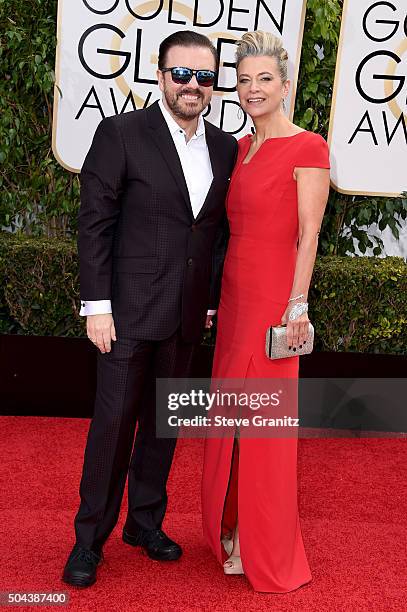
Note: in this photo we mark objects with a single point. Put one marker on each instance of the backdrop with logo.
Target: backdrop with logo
(107, 58)
(368, 133)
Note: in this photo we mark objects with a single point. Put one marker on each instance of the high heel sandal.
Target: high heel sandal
(228, 545)
(233, 565)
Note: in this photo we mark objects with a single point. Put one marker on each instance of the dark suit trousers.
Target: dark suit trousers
(125, 396)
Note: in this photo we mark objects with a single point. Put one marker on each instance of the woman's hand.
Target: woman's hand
(297, 331)
(209, 321)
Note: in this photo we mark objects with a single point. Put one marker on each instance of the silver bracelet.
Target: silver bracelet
(296, 298)
(297, 310)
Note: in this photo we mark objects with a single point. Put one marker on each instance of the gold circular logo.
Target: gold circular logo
(388, 85)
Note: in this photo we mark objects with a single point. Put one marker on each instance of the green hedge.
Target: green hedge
(39, 280)
(357, 303)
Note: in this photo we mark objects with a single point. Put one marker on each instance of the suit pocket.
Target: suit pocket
(137, 265)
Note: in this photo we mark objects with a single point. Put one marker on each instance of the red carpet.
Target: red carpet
(353, 512)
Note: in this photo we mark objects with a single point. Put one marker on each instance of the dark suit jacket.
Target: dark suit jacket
(138, 242)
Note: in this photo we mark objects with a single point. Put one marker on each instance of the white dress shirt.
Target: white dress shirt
(197, 169)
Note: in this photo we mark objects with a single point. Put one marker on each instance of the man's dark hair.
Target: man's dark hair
(185, 38)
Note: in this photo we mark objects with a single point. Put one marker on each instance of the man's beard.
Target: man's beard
(181, 108)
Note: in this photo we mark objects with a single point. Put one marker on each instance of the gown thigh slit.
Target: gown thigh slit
(230, 505)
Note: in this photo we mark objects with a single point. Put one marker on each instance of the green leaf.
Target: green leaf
(308, 115)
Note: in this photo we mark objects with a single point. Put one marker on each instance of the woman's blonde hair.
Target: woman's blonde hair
(258, 43)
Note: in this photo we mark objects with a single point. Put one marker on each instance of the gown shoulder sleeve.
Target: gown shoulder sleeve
(243, 142)
(243, 145)
(314, 152)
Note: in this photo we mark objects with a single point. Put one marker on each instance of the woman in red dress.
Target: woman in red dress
(275, 205)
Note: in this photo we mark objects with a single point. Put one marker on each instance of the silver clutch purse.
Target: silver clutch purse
(277, 347)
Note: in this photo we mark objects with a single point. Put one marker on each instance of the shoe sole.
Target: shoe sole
(133, 541)
(233, 572)
(78, 581)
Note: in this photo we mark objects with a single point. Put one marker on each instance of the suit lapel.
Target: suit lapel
(215, 153)
(163, 139)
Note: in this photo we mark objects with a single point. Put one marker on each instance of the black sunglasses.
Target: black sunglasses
(182, 76)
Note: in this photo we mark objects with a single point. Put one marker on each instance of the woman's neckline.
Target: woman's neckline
(250, 136)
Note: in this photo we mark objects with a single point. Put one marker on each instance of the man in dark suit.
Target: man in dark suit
(153, 188)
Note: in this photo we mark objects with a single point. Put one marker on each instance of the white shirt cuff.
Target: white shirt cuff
(93, 307)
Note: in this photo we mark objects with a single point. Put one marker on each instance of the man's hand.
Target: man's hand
(101, 331)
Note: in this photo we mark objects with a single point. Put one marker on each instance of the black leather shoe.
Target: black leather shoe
(80, 569)
(156, 544)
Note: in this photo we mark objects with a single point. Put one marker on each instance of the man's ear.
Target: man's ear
(160, 79)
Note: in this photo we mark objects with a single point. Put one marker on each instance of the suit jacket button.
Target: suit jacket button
(189, 261)
(193, 227)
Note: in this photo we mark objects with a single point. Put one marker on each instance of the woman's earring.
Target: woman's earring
(284, 107)
(240, 113)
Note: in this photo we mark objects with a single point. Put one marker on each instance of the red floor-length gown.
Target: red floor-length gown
(258, 479)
